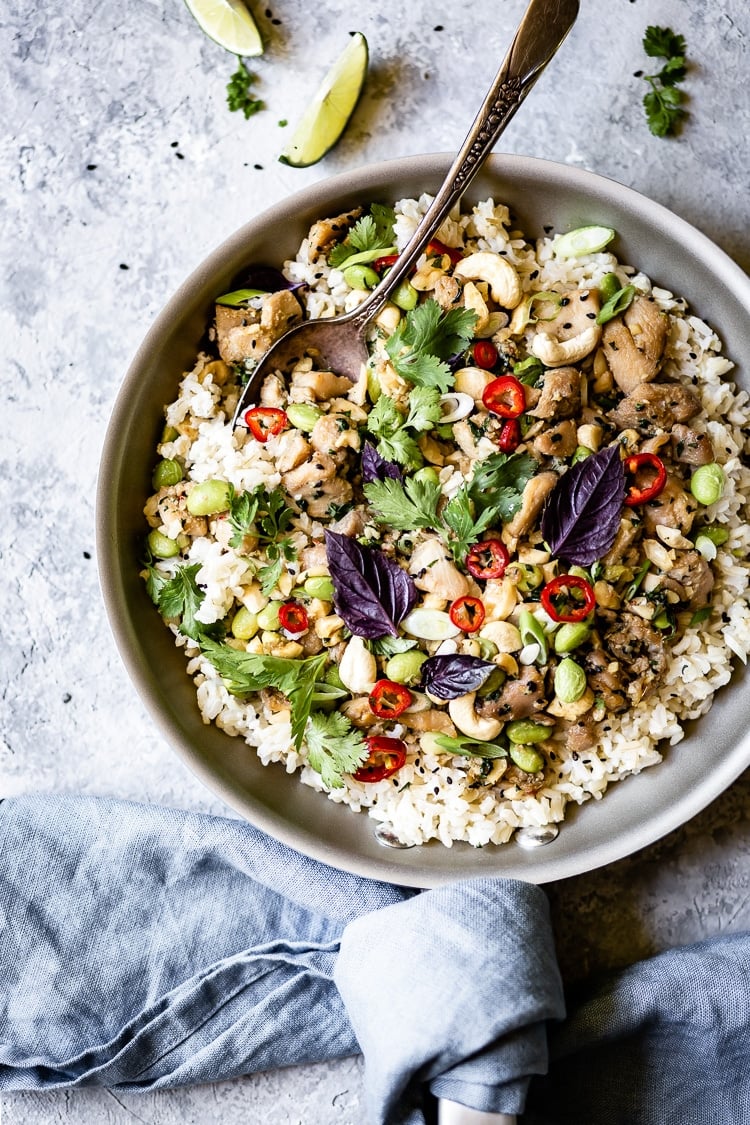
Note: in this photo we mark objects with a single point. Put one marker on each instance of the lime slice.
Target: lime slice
(332, 105)
(583, 240)
(228, 23)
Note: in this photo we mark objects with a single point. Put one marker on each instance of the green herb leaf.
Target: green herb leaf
(334, 747)
(246, 672)
(663, 43)
(181, 597)
(390, 646)
(370, 232)
(407, 506)
(238, 91)
(425, 338)
(460, 518)
(499, 481)
(663, 102)
(425, 410)
(469, 747)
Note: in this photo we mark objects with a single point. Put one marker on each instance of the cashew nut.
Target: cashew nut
(558, 353)
(358, 669)
(504, 634)
(572, 711)
(475, 302)
(434, 572)
(472, 381)
(504, 282)
(462, 712)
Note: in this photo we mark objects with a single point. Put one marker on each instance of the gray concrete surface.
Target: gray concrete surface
(121, 168)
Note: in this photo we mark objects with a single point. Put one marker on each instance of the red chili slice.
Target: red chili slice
(385, 757)
(560, 602)
(435, 247)
(488, 559)
(388, 699)
(385, 262)
(264, 422)
(467, 613)
(293, 617)
(485, 354)
(505, 396)
(510, 436)
(639, 465)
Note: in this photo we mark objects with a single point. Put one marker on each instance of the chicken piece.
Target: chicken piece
(534, 494)
(528, 783)
(432, 720)
(691, 447)
(304, 482)
(561, 394)
(673, 507)
(633, 343)
(359, 712)
(639, 648)
(691, 578)
(605, 680)
(291, 449)
(519, 698)
(333, 432)
(246, 333)
(558, 441)
(447, 291)
(655, 406)
(434, 573)
(326, 232)
(582, 736)
(626, 534)
(314, 557)
(272, 392)
(572, 333)
(336, 491)
(352, 524)
(321, 385)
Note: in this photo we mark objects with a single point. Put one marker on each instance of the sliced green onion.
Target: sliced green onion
(582, 240)
(617, 304)
(240, 297)
(532, 632)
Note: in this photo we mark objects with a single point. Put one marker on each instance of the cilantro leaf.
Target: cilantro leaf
(386, 423)
(238, 91)
(156, 580)
(246, 672)
(334, 747)
(264, 516)
(459, 517)
(181, 597)
(499, 481)
(425, 410)
(425, 338)
(407, 506)
(663, 103)
(370, 233)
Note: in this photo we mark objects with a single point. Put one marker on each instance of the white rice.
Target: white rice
(431, 797)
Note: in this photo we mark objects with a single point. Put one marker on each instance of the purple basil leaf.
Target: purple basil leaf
(371, 593)
(267, 278)
(582, 513)
(447, 677)
(375, 467)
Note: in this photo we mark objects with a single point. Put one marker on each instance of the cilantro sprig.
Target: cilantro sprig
(427, 337)
(179, 596)
(334, 747)
(392, 427)
(664, 101)
(246, 672)
(371, 233)
(239, 97)
(267, 516)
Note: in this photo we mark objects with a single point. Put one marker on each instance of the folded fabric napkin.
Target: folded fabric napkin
(144, 948)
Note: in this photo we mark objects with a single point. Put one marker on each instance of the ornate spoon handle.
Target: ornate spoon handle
(540, 33)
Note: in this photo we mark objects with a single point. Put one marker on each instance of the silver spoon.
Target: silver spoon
(339, 343)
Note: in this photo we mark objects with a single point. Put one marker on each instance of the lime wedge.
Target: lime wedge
(332, 105)
(229, 23)
(582, 240)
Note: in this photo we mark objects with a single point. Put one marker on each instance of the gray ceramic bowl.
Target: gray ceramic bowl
(634, 812)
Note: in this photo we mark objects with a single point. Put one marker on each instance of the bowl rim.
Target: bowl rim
(548, 867)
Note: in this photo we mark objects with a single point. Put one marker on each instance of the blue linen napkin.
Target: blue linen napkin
(144, 948)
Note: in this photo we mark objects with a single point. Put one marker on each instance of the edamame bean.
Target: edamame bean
(166, 472)
(161, 546)
(571, 635)
(717, 535)
(404, 667)
(427, 475)
(319, 588)
(526, 758)
(570, 681)
(361, 277)
(707, 483)
(523, 730)
(268, 618)
(244, 624)
(405, 296)
(208, 498)
(303, 416)
(493, 683)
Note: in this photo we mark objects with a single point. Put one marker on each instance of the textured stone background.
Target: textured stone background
(121, 167)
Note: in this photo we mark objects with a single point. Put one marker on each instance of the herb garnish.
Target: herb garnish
(246, 672)
(469, 747)
(179, 596)
(582, 514)
(266, 516)
(376, 467)
(499, 480)
(334, 747)
(390, 426)
(371, 593)
(664, 101)
(427, 337)
(449, 676)
(238, 91)
(371, 233)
